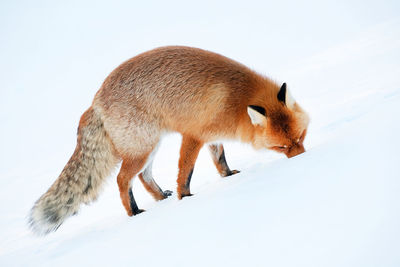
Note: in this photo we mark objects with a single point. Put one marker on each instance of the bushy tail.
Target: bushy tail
(80, 180)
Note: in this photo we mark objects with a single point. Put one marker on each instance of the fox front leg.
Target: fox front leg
(190, 149)
(218, 156)
(146, 177)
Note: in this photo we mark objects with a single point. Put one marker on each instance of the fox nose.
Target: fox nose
(295, 150)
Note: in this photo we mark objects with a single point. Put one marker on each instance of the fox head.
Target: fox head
(279, 123)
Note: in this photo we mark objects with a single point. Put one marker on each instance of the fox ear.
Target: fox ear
(257, 115)
(285, 97)
(282, 94)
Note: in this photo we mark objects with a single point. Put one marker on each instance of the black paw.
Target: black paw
(167, 193)
(138, 211)
(229, 173)
(185, 195)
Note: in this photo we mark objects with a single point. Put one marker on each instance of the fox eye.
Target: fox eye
(281, 149)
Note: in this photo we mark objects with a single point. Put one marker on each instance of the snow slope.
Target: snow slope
(336, 205)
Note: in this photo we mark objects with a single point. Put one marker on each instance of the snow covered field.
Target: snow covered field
(336, 205)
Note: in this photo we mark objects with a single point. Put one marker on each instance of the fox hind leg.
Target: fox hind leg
(146, 177)
(218, 156)
(134, 207)
(129, 168)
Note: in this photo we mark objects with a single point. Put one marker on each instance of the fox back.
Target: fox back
(196, 92)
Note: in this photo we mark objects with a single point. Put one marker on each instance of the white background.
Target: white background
(336, 205)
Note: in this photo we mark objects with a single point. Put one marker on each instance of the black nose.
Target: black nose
(295, 150)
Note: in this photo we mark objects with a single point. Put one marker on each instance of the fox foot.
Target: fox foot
(167, 193)
(134, 208)
(137, 211)
(229, 173)
(185, 195)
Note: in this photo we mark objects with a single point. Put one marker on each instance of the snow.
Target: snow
(335, 205)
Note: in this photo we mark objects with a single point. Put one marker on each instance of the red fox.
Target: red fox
(202, 95)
